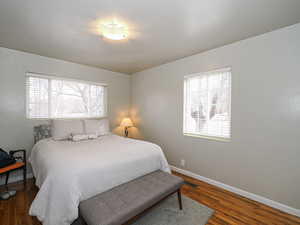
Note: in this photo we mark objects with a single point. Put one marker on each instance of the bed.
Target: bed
(69, 172)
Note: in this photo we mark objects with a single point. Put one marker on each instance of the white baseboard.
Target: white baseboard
(241, 192)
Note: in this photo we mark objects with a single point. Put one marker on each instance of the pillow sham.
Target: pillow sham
(99, 127)
(62, 129)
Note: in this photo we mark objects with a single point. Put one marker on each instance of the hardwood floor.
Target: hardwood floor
(229, 207)
(15, 210)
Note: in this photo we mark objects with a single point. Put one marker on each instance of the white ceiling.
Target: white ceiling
(164, 30)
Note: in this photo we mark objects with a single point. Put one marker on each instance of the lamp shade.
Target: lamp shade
(126, 122)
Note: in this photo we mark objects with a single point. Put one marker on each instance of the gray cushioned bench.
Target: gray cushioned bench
(124, 202)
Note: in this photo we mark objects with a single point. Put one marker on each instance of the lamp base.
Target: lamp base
(126, 131)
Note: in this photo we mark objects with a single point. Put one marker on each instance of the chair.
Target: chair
(16, 166)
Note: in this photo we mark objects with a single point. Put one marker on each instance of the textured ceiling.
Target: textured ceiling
(161, 30)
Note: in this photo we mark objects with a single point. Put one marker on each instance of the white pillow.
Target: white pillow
(99, 127)
(62, 129)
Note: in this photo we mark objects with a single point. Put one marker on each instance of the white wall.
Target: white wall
(263, 156)
(15, 130)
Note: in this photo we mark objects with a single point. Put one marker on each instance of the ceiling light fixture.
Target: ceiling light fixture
(114, 31)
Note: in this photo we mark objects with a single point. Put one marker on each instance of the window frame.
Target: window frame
(61, 78)
(208, 137)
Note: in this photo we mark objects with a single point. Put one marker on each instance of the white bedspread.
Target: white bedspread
(68, 172)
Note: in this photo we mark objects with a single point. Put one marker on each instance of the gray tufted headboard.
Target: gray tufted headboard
(41, 132)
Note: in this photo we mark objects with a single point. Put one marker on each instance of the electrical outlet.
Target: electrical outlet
(182, 162)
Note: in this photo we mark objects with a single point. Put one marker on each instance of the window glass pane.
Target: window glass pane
(207, 104)
(74, 100)
(56, 98)
(69, 99)
(97, 101)
(37, 97)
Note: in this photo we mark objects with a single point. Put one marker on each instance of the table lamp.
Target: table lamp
(127, 123)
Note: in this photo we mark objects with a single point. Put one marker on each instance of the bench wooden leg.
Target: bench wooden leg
(179, 199)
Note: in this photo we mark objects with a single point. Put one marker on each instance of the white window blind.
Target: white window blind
(207, 104)
(52, 97)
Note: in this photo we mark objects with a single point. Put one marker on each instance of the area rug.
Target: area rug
(168, 213)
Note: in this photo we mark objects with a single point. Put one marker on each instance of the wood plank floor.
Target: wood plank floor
(229, 207)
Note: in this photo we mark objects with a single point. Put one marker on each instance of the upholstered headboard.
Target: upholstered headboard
(41, 132)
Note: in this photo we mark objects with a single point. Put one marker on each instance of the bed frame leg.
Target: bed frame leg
(179, 199)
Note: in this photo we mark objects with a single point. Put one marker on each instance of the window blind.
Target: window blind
(52, 97)
(207, 104)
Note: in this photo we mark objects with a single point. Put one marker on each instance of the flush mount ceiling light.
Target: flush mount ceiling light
(114, 31)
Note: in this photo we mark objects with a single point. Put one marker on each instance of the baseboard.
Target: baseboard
(15, 178)
(241, 192)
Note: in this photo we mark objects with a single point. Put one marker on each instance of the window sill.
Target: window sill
(208, 137)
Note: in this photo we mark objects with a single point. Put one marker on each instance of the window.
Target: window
(207, 104)
(52, 97)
